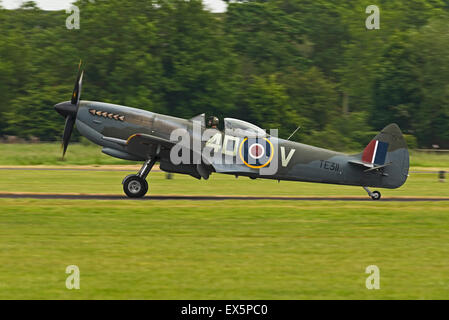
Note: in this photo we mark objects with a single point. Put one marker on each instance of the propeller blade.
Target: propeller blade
(80, 87)
(77, 90)
(69, 123)
(69, 110)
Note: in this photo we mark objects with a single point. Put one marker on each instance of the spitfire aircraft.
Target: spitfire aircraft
(242, 149)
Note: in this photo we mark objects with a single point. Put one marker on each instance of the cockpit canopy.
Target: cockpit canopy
(242, 128)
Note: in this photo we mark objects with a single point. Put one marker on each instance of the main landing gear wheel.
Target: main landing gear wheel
(135, 186)
(376, 195)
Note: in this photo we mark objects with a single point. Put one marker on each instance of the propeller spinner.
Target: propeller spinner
(69, 110)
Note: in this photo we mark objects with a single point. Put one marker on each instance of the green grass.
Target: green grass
(85, 154)
(51, 154)
(429, 159)
(109, 182)
(219, 249)
(223, 250)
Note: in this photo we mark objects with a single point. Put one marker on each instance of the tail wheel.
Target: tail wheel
(135, 186)
(376, 195)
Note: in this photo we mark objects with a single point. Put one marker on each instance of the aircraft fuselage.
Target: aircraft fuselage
(110, 126)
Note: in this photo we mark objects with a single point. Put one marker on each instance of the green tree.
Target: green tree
(431, 117)
(266, 38)
(313, 97)
(396, 93)
(32, 114)
(277, 63)
(198, 64)
(267, 103)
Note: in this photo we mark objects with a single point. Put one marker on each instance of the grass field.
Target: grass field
(50, 154)
(219, 249)
(260, 249)
(223, 250)
(109, 182)
(88, 154)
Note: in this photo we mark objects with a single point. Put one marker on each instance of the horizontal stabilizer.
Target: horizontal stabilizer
(362, 163)
(378, 167)
(370, 166)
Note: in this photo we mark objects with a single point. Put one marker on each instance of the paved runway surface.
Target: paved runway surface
(203, 198)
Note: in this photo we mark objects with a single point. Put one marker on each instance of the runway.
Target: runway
(206, 197)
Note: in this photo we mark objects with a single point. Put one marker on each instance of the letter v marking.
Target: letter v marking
(285, 161)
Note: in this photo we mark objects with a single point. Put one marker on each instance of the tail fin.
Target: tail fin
(389, 147)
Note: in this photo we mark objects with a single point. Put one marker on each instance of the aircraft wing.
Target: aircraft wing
(143, 145)
(147, 139)
(147, 145)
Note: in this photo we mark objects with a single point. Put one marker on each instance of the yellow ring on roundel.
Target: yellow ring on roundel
(256, 167)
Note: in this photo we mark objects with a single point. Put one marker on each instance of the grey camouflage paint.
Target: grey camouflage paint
(308, 163)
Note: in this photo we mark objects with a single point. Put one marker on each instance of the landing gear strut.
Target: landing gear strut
(375, 195)
(136, 185)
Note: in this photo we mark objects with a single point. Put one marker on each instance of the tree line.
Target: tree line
(277, 63)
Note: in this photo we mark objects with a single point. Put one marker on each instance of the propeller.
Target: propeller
(69, 110)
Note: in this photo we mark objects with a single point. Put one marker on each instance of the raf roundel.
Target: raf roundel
(256, 153)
